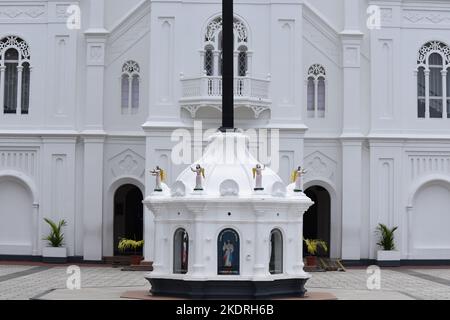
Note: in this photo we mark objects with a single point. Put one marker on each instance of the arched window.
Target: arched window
(15, 71)
(130, 87)
(212, 63)
(433, 88)
(228, 260)
(316, 91)
(180, 251)
(276, 252)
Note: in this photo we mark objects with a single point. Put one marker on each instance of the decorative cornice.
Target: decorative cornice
(12, 12)
(426, 17)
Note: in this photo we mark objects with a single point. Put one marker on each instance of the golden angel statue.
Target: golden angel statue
(199, 178)
(160, 177)
(296, 178)
(257, 175)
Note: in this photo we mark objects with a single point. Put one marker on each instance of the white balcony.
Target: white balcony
(206, 91)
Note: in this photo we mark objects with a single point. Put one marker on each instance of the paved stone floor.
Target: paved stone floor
(19, 282)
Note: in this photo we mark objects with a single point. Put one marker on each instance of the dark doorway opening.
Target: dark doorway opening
(317, 220)
(128, 216)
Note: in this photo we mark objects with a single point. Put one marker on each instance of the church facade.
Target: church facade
(358, 93)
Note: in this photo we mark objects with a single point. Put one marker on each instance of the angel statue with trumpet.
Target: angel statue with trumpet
(200, 176)
(257, 175)
(160, 177)
(297, 178)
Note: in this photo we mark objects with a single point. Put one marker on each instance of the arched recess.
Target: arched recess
(180, 251)
(228, 252)
(335, 215)
(108, 212)
(428, 219)
(276, 255)
(19, 208)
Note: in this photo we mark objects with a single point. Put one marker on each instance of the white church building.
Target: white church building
(88, 111)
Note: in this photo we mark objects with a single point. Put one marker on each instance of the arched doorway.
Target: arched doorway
(430, 222)
(128, 215)
(317, 220)
(16, 216)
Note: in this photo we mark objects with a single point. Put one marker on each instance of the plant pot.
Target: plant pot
(311, 261)
(388, 258)
(135, 260)
(54, 255)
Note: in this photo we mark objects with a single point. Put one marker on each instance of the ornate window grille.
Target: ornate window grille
(15, 75)
(212, 53)
(209, 61)
(130, 87)
(316, 91)
(242, 61)
(433, 81)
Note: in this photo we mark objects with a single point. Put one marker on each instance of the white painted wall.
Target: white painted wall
(16, 212)
(72, 94)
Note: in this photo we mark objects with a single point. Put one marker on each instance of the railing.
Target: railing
(206, 91)
(244, 87)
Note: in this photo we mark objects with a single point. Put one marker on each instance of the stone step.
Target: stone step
(140, 267)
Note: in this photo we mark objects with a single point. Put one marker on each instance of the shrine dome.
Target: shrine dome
(228, 166)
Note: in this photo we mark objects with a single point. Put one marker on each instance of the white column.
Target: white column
(409, 212)
(427, 93)
(96, 13)
(352, 14)
(159, 266)
(216, 55)
(19, 90)
(351, 56)
(2, 86)
(249, 63)
(92, 198)
(444, 93)
(352, 199)
(202, 61)
(261, 258)
(95, 37)
(235, 63)
(198, 268)
(36, 233)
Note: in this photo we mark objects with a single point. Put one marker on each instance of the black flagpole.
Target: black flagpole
(227, 67)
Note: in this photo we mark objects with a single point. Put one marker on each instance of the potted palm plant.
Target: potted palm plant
(134, 245)
(387, 256)
(55, 252)
(312, 247)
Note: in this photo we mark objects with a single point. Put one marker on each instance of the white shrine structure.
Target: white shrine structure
(228, 240)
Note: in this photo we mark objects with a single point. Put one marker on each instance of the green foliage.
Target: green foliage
(313, 245)
(386, 237)
(55, 237)
(126, 244)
